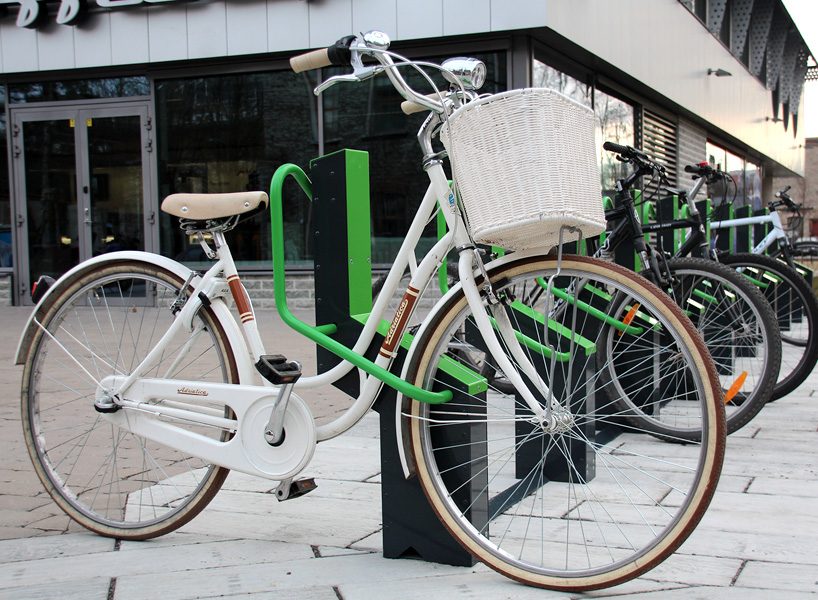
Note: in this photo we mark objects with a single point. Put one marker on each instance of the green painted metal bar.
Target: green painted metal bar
(307, 330)
(474, 382)
(534, 345)
(559, 328)
(756, 282)
(591, 310)
(442, 272)
(704, 296)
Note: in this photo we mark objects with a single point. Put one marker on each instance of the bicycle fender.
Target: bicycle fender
(220, 309)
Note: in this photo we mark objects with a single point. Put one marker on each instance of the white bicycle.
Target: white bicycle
(141, 390)
(778, 276)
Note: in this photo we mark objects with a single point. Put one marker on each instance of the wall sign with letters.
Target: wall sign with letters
(30, 12)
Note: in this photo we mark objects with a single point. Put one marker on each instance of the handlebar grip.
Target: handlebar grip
(338, 54)
(409, 108)
(308, 61)
(611, 147)
(691, 169)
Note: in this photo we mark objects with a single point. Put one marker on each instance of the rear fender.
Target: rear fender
(220, 309)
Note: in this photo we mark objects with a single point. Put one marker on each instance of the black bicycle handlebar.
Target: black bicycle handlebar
(783, 193)
(611, 147)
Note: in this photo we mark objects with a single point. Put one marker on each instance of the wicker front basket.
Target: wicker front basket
(525, 165)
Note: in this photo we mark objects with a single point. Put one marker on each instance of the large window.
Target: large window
(79, 89)
(546, 76)
(744, 189)
(5, 198)
(368, 117)
(614, 123)
(229, 133)
(614, 118)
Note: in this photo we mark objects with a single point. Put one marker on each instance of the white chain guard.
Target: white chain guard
(144, 413)
(295, 451)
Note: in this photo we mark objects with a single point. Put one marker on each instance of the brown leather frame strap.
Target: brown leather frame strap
(395, 332)
(240, 298)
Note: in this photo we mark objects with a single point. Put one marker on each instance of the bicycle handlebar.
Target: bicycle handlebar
(348, 51)
(612, 147)
(783, 193)
(785, 200)
(644, 165)
(338, 54)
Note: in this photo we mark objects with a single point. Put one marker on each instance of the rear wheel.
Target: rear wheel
(796, 309)
(739, 329)
(108, 479)
(585, 501)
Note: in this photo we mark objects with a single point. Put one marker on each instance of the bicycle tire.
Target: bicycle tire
(796, 308)
(109, 480)
(739, 329)
(493, 519)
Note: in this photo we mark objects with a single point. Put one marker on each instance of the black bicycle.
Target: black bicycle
(792, 299)
(736, 321)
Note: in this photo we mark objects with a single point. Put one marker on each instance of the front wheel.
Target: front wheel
(104, 322)
(587, 501)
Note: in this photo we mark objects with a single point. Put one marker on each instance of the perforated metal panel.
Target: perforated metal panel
(775, 45)
(740, 15)
(792, 50)
(716, 9)
(798, 76)
(760, 22)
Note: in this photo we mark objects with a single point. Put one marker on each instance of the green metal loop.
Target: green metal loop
(319, 334)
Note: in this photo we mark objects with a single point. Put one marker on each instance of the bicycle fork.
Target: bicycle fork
(503, 325)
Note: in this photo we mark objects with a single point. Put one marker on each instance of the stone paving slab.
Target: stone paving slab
(757, 541)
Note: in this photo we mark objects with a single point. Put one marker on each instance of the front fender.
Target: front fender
(220, 309)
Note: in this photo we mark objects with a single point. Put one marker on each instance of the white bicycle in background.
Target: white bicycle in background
(141, 390)
(779, 278)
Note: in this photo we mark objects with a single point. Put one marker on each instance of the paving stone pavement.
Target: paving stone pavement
(757, 540)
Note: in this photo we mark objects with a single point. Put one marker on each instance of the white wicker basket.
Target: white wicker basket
(525, 164)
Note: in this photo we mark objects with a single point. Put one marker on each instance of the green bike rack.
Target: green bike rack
(321, 334)
(341, 245)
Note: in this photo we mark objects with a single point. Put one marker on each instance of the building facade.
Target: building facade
(110, 105)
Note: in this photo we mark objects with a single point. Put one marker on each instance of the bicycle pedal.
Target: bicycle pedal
(297, 488)
(276, 369)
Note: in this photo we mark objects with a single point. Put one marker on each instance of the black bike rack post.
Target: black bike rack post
(760, 230)
(724, 240)
(564, 384)
(343, 291)
(744, 234)
(667, 210)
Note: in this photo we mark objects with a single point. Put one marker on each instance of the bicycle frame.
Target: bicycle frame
(202, 403)
(251, 406)
(776, 234)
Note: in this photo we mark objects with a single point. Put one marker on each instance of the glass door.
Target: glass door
(112, 200)
(49, 181)
(81, 182)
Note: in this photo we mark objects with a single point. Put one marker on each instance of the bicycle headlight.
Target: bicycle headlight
(468, 72)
